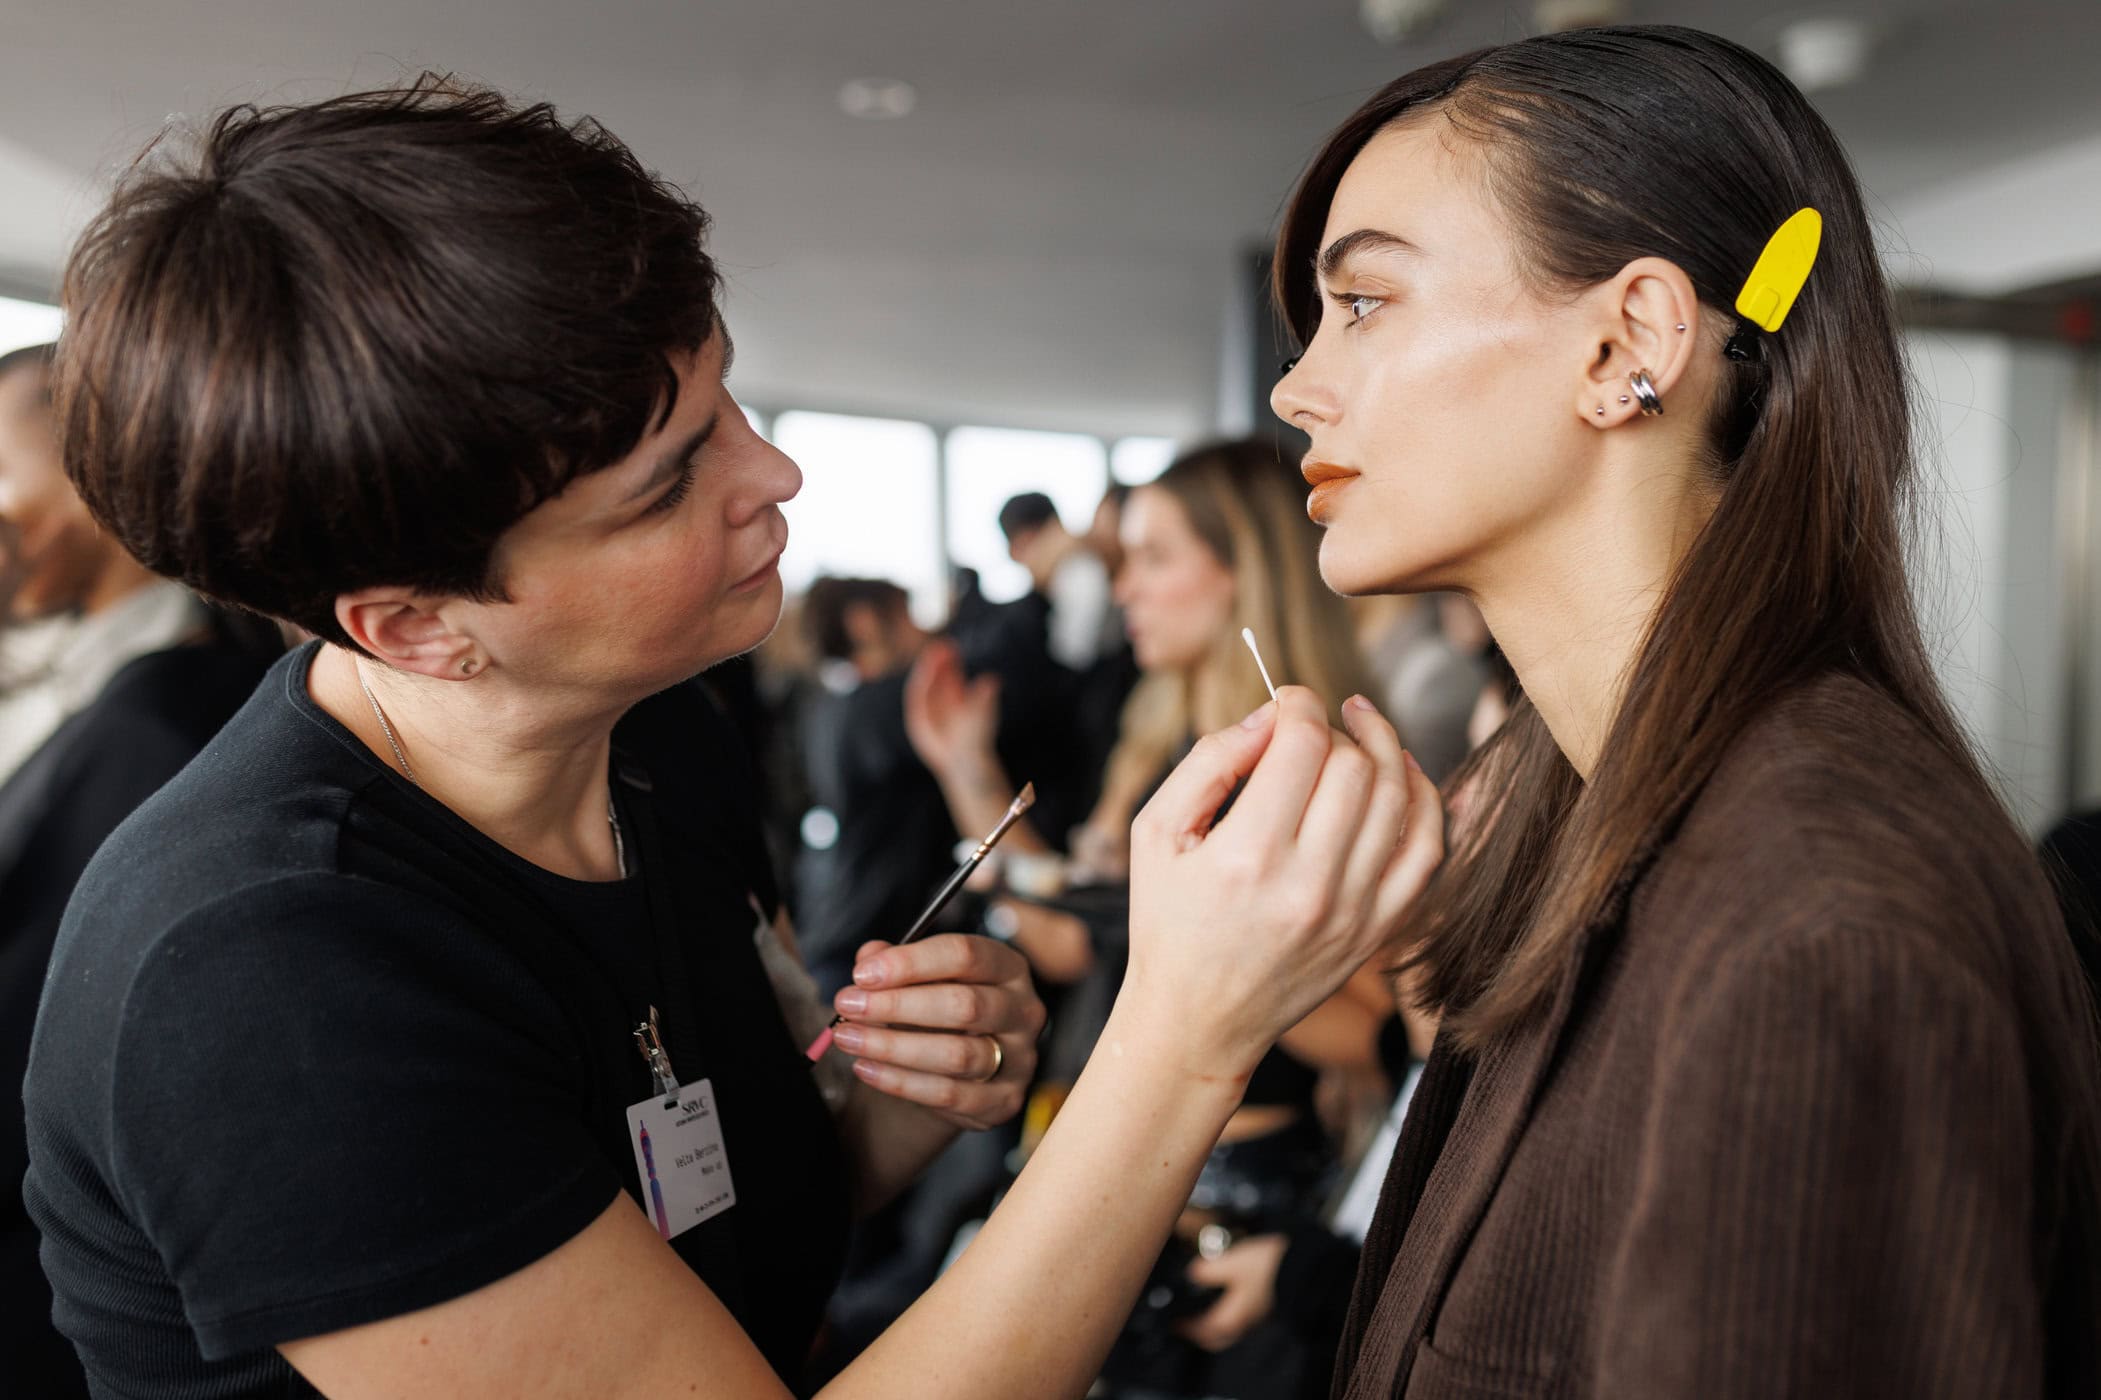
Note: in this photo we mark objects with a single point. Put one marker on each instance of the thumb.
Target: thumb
(1212, 1273)
(1193, 792)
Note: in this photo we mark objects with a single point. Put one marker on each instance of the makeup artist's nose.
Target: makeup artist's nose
(1303, 397)
(772, 480)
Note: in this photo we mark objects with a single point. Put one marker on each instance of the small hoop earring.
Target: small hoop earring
(1645, 393)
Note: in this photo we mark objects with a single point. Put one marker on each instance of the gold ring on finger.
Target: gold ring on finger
(999, 1060)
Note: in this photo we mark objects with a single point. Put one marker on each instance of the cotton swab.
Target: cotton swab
(1247, 634)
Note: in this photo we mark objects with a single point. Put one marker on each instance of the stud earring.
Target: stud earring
(467, 667)
(1623, 398)
(1601, 410)
(1681, 326)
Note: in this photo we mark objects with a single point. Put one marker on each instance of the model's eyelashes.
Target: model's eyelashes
(1357, 305)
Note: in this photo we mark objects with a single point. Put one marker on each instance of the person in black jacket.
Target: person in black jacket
(114, 681)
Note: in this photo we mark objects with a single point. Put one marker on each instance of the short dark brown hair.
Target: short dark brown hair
(350, 343)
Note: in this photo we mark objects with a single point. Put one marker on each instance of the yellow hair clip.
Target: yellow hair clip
(1769, 292)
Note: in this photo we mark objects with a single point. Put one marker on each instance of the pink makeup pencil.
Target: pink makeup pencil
(1023, 800)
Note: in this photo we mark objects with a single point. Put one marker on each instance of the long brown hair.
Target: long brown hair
(1248, 508)
(1604, 146)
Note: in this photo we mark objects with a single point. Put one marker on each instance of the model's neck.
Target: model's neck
(1574, 603)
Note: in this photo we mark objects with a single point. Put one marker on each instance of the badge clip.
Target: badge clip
(651, 1043)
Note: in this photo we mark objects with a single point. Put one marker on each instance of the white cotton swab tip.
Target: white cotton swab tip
(1247, 634)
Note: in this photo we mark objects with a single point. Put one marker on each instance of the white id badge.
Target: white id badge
(680, 1159)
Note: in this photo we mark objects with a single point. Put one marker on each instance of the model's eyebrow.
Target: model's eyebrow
(1364, 240)
(673, 461)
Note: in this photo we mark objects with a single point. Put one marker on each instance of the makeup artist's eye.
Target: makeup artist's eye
(677, 493)
(1359, 305)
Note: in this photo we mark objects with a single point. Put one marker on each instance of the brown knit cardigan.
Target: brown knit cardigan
(1812, 1117)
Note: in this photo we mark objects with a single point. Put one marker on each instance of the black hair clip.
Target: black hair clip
(1742, 344)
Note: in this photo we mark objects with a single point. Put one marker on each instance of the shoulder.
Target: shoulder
(1838, 800)
(1838, 840)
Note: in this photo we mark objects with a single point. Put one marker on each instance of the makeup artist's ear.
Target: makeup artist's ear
(409, 631)
(1646, 318)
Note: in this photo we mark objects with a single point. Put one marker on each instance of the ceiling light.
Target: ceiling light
(877, 99)
(1554, 16)
(1390, 21)
(1820, 54)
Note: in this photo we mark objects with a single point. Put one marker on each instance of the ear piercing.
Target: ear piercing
(467, 667)
(1645, 391)
(1681, 326)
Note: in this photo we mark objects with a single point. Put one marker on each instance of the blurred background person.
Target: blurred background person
(877, 839)
(1431, 685)
(1068, 573)
(111, 679)
(1219, 542)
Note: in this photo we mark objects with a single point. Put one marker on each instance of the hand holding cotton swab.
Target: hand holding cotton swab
(1247, 634)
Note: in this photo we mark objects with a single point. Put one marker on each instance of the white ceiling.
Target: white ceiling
(1049, 239)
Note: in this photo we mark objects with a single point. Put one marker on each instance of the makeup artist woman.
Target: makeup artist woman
(420, 1039)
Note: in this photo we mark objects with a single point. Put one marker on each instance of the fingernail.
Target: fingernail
(1261, 714)
(871, 1072)
(869, 974)
(848, 1037)
(851, 1001)
(1358, 702)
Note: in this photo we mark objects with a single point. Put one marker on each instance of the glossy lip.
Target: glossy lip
(1318, 473)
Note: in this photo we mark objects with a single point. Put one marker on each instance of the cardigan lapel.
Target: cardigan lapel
(1498, 1105)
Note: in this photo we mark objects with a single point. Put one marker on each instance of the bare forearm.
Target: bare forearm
(1073, 1241)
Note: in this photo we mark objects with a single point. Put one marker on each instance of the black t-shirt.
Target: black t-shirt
(314, 1052)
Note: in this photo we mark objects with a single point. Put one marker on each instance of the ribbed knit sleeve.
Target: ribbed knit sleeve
(1834, 1187)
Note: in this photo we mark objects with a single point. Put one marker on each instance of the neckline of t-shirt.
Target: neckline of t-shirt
(301, 661)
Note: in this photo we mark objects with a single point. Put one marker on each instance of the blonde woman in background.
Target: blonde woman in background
(1220, 541)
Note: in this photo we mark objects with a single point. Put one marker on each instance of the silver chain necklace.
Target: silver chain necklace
(612, 815)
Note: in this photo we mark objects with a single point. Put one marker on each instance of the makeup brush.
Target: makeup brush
(1247, 634)
(1023, 800)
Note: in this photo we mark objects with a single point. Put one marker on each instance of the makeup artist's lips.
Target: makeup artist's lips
(1327, 480)
(764, 572)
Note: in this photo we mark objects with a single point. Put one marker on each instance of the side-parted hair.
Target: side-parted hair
(349, 344)
(1603, 146)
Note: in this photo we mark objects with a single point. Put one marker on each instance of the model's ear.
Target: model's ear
(1645, 319)
(409, 632)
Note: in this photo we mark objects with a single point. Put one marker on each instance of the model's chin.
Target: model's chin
(1344, 572)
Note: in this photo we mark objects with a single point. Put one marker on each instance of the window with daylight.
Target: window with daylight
(869, 505)
(987, 466)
